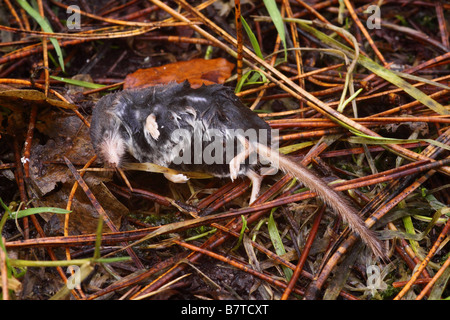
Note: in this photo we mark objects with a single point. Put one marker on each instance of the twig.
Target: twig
(239, 37)
(101, 211)
(434, 279)
(424, 263)
(305, 253)
(14, 14)
(296, 44)
(236, 264)
(442, 24)
(417, 35)
(376, 216)
(364, 31)
(28, 141)
(4, 273)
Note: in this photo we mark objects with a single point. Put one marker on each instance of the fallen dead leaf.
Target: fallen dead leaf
(15, 98)
(52, 181)
(196, 71)
(18, 103)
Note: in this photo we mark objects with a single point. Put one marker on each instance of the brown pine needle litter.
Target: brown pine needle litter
(358, 93)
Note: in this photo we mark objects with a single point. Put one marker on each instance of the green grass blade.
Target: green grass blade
(272, 9)
(28, 212)
(79, 83)
(252, 38)
(388, 75)
(380, 71)
(243, 81)
(64, 263)
(342, 106)
(241, 235)
(295, 147)
(364, 139)
(4, 206)
(45, 27)
(421, 79)
(409, 228)
(277, 243)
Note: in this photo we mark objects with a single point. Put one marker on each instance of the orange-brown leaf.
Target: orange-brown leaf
(197, 71)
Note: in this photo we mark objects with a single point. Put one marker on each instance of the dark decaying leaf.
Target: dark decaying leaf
(52, 182)
(17, 99)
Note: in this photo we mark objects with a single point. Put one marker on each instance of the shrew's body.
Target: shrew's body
(170, 126)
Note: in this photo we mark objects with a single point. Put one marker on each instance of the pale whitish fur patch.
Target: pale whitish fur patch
(197, 99)
(152, 126)
(176, 178)
(176, 117)
(192, 111)
(256, 180)
(192, 120)
(235, 163)
(112, 149)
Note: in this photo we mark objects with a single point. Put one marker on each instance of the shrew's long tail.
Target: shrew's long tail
(331, 197)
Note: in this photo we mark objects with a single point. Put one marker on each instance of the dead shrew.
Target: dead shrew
(202, 130)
